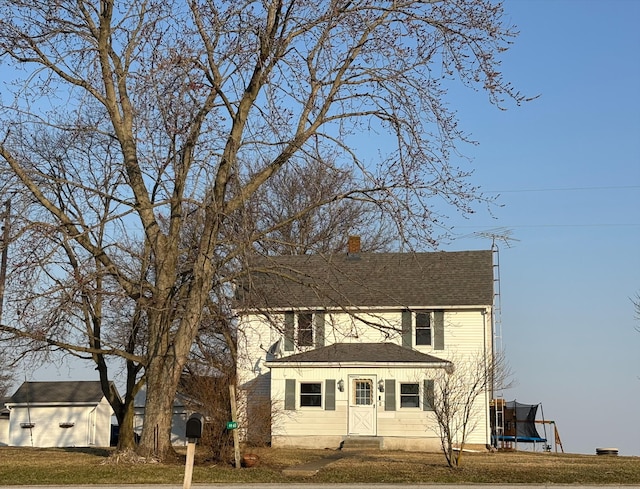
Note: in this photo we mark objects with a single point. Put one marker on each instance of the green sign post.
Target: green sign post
(232, 425)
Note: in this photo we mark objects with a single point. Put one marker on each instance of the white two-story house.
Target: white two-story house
(349, 345)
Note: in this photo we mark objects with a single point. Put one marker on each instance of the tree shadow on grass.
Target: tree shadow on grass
(96, 451)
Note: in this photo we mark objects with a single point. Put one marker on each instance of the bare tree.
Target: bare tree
(636, 305)
(322, 229)
(6, 374)
(6, 377)
(142, 131)
(459, 393)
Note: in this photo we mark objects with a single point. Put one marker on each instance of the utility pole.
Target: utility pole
(3, 257)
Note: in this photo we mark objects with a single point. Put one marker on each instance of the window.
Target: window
(409, 395)
(363, 392)
(423, 328)
(311, 394)
(305, 329)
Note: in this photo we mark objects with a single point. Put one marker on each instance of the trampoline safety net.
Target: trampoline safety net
(519, 422)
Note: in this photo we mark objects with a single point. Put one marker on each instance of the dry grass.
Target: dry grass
(67, 466)
(502, 467)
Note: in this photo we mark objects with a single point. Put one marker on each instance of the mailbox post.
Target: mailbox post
(193, 434)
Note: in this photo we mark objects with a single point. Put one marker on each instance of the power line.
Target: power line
(563, 189)
(557, 225)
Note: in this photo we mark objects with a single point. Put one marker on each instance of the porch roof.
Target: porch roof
(371, 353)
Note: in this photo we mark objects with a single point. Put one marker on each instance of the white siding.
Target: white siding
(467, 334)
(178, 419)
(4, 431)
(402, 423)
(178, 425)
(103, 423)
(88, 425)
(256, 336)
(363, 327)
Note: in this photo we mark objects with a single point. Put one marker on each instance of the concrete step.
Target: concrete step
(362, 443)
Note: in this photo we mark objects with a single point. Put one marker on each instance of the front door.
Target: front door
(362, 405)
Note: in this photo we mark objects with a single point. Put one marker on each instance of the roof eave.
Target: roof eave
(330, 309)
(335, 364)
(11, 405)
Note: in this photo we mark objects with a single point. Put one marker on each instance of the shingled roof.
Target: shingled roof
(361, 353)
(65, 392)
(406, 280)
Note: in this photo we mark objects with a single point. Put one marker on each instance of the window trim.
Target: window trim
(358, 393)
(313, 334)
(309, 395)
(423, 329)
(417, 395)
(308, 331)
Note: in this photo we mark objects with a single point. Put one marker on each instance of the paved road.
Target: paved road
(305, 485)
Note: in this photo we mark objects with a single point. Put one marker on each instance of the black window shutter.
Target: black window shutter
(319, 319)
(438, 330)
(289, 329)
(427, 401)
(390, 395)
(330, 395)
(290, 394)
(406, 329)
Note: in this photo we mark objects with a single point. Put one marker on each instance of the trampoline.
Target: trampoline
(515, 423)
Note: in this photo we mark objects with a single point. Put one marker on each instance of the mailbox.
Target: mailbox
(194, 426)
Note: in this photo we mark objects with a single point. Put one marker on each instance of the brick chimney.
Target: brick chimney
(353, 247)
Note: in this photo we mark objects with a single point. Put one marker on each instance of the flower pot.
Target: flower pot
(250, 460)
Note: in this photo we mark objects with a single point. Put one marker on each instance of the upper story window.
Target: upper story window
(303, 329)
(423, 328)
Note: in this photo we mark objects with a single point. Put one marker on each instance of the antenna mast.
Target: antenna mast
(502, 234)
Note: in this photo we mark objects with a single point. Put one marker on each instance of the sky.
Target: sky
(566, 167)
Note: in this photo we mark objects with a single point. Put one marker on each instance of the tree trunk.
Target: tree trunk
(126, 434)
(162, 384)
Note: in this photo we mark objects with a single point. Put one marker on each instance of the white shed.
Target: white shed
(4, 422)
(59, 414)
(178, 419)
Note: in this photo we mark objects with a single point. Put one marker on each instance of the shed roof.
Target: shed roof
(80, 392)
(462, 278)
(373, 353)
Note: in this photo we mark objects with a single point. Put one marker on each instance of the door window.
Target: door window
(363, 392)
